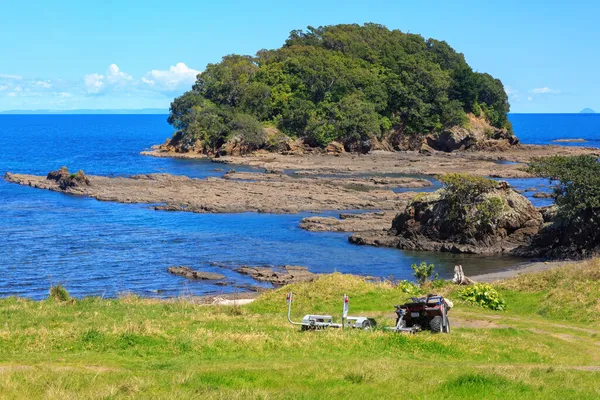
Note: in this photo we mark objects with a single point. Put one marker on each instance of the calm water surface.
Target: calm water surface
(99, 248)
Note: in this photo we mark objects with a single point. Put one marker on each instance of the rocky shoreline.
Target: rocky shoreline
(263, 194)
(508, 163)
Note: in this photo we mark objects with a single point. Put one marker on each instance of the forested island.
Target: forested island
(362, 86)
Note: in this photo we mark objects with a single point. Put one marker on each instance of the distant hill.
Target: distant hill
(107, 111)
(587, 111)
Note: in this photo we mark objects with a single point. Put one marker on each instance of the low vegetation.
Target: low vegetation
(349, 83)
(483, 295)
(132, 347)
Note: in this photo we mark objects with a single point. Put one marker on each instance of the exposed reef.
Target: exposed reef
(227, 195)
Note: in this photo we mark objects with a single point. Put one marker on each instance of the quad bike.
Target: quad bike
(421, 313)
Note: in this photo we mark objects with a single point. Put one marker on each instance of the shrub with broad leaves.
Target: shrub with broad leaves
(484, 295)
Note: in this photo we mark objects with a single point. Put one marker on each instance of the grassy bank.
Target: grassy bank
(141, 348)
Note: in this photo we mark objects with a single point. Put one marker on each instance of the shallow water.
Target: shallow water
(100, 248)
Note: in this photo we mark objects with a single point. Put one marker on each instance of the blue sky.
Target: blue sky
(140, 54)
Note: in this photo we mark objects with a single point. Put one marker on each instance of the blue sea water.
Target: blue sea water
(102, 248)
(546, 128)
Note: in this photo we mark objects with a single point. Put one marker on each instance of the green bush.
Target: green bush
(408, 287)
(59, 293)
(424, 272)
(461, 191)
(489, 209)
(484, 295)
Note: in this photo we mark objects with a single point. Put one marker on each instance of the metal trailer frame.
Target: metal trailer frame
(318, 322)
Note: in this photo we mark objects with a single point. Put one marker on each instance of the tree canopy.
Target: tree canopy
(576, 228)
(344, 82)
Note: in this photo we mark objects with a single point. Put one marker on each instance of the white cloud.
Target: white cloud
(101, 89)
(544, 90)
(7, 76)
(43, 84)
(93, 82)
(177, 77)
(114, 78)
(530, 98)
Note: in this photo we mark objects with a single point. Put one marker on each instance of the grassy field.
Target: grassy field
(545, 346)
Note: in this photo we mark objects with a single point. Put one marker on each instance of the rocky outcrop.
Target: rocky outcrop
(189, 273)
(67, 180)
(477, 134)
(334, 148)
(279, 276)
(427, 224)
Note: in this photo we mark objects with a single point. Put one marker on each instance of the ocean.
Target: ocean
(106, 249)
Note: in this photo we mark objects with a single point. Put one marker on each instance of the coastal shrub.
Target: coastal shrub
(424, 272)
(408, 287)
(341, 82)
(59, 293)
(483, 295)
(461, 192)
(489, 209)
(249, 130)
(575, 231)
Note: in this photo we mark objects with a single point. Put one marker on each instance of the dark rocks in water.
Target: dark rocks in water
(543, 195)
(189, 273)
(274, 171)
(62, 173)
(363, 222)
(67, 180)
(278, 276)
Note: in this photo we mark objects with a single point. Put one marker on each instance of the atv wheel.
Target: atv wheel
(436, 324)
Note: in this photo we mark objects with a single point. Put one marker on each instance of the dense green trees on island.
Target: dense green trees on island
(344, 82)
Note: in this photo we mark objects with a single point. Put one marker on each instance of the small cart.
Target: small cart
(311, 322)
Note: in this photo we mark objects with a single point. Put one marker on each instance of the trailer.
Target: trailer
(311, 322)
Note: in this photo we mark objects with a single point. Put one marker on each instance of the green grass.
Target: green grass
(142, 348)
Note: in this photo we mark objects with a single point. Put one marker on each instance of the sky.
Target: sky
(129, 54)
